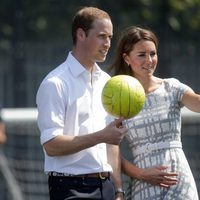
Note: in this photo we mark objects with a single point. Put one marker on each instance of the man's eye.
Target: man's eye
(102, 36)
(141, 55)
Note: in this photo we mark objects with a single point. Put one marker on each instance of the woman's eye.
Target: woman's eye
(153, 54)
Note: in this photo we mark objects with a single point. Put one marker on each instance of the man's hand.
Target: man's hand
(114, 132)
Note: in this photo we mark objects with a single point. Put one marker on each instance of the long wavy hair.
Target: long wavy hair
(127, 40)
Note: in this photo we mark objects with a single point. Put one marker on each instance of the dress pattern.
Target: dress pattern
(160, 121)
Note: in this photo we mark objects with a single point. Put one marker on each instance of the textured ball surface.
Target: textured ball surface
(123, 96)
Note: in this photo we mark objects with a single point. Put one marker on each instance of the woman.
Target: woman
(159, 169)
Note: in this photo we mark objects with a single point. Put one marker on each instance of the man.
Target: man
(72, 120)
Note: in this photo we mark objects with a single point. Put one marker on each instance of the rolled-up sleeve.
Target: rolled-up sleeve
(51, 109)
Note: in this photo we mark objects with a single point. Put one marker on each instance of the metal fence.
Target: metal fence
(21, 158)
(19, 83)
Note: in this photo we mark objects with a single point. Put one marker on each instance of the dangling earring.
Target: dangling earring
(127, 64)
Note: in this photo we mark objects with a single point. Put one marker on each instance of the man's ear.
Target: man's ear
(80, 34)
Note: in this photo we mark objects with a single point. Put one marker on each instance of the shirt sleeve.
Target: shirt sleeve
(109, 119)
(51, 110)
(179, 88)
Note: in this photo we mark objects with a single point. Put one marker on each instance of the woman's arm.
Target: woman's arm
(155, 175)
(191, 100)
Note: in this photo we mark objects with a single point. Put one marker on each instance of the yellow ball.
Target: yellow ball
(123, 96)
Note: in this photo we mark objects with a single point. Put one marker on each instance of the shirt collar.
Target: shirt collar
(77, 69)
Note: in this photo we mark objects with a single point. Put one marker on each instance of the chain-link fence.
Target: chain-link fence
(21, 174)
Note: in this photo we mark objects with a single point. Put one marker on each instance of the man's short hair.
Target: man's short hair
(84, 19)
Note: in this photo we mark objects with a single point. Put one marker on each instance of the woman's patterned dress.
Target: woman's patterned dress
(160, 121)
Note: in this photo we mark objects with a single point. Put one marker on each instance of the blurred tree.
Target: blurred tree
(49, 21)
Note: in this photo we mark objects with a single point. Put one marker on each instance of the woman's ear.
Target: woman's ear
(126, 58)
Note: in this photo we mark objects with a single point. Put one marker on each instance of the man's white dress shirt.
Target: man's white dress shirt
(69, 102)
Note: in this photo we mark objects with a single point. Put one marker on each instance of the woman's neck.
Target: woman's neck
(150, 84)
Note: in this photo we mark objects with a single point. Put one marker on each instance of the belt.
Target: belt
(147, 148)
(101, 175)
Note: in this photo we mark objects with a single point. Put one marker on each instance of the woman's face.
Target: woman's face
(142, 59)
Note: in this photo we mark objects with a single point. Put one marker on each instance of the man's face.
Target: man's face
(98, 40)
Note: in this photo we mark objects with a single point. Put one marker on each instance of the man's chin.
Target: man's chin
(101, 59)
